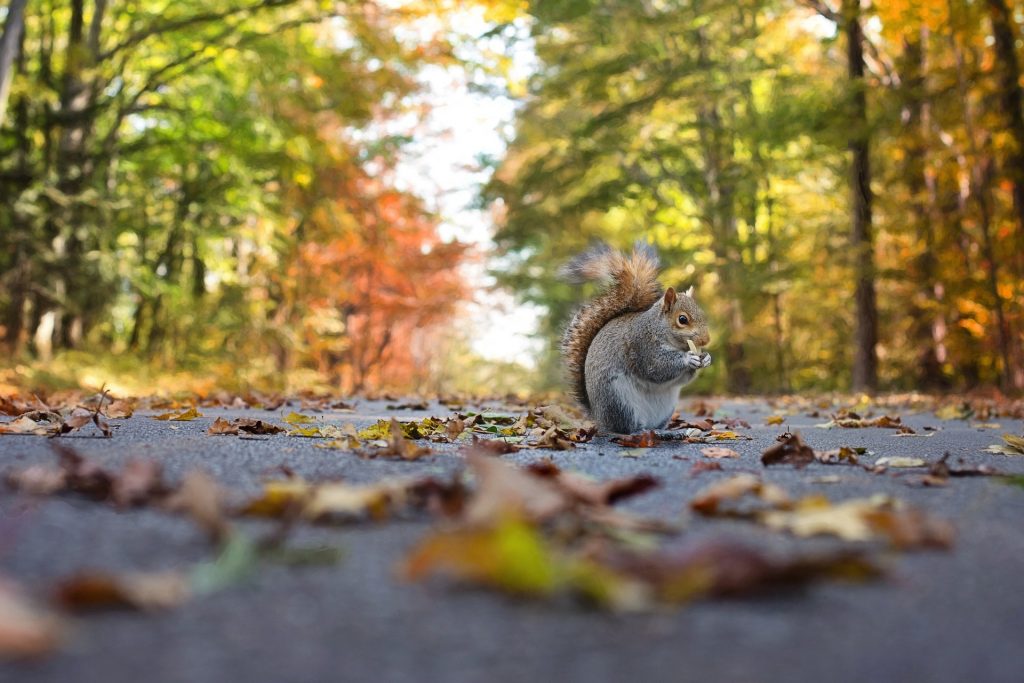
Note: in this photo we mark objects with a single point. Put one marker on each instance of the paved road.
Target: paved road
(941, 616)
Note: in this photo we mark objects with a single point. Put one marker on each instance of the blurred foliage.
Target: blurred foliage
(208, 188)
(201, 185)
(718, 130)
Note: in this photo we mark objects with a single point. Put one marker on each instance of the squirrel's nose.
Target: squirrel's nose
(705, 340)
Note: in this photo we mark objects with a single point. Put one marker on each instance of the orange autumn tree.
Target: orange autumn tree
(372, 283)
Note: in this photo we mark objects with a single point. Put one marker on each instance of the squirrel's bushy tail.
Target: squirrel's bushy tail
(632, 286)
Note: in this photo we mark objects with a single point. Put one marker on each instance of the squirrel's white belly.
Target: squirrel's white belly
(652, 404)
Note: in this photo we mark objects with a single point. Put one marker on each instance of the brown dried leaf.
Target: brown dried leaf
(493, 447)
(646, 439)
(507, 491)
(704, 466)
(221, 426)
(862, 519)
(790, 450)
(337, 501)
(200, 498)
(454, 428)
(26, 425)
(553, 438)
(138, 482)
(119, 409)
(730, 568)
(583, 489)
(710, 500)
(141, 591)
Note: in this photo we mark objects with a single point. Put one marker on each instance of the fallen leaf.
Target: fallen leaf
(454, 429)
(183, 416)
(899, 462)
(37, 480)
(718, 452)
(704, 466)
(200, 498)
(142, 591)
(504, 491)
(221, 426)
(26, 425)
(726, 435)
(341, 502)
(789, 450)
(583, 489)
(730, 568)
(511, 555)
(954, 412)
(26, 629)
(294, 418)
(553, 438)
(710, 500)
(415, 405)
(940, 472)
(1014, 445)
(774, 420)
(851, 420)
(399, 446)
(492, 446)
(119, 410)
(236, 561)
(646, 439)
(139, 481)
(838, 456)
(862, 519)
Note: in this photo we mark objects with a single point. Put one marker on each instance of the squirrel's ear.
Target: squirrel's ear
(669, 300)
(689, 291)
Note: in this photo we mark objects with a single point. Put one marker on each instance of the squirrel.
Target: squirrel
(631, 349)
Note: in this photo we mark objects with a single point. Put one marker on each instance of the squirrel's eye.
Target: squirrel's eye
(683, 320)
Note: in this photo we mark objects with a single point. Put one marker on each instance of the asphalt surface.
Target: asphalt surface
(939, 616)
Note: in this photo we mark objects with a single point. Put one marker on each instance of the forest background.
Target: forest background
(217, 194)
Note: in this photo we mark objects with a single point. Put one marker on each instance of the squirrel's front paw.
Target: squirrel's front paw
(693, 361)
(705, 360)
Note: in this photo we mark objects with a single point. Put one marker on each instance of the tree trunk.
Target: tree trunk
(720, 213)
(980, 176)
(9, 42)
(865, 339)
(1007, 71)
(921, 272)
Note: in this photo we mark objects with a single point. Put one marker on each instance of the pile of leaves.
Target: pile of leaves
(545, 533)
(877, 518)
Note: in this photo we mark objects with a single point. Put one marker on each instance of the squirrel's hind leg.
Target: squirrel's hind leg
(613, 414)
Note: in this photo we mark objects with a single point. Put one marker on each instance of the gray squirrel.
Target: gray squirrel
(631, 349)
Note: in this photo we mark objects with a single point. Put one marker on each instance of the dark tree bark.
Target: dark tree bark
(1007, 71)
(865, 338)
(720, 213)
(981, 175)
(923, 220)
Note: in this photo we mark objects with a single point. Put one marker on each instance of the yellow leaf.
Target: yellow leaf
(183, 416)
(294, 418)
(511, 556)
